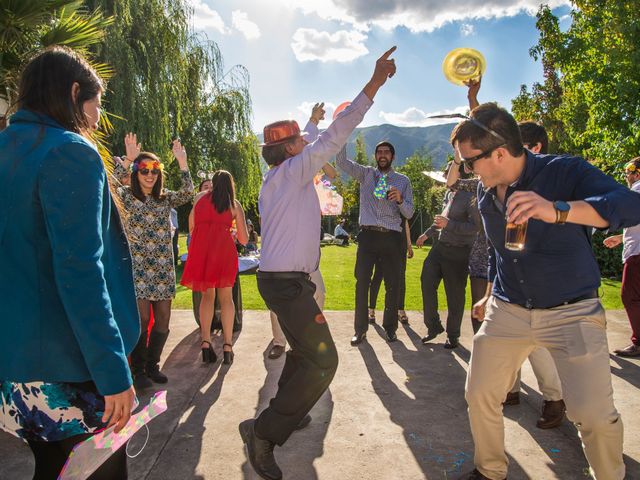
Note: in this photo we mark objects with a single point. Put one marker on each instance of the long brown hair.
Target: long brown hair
(223, 194)
(46, 84)
(136, 189)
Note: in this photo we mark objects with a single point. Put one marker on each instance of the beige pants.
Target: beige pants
(546, 373)
(278, 334)
(576, 338)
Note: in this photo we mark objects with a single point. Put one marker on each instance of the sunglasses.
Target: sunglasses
(468, 162)
(146, 171)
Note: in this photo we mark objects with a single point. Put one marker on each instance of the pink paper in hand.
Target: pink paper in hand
(86, 457)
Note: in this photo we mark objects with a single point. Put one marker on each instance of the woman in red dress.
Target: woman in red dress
(212, 263)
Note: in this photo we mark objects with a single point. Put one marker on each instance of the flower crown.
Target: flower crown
(631, 167)
(147, 163)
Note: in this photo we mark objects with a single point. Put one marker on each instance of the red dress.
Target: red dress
(213, 259)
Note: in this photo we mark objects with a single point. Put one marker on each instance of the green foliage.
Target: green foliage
(609, 259)
(169, 83)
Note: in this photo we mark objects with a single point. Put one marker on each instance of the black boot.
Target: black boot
(156, 344)
(138, 363)
(260, 452)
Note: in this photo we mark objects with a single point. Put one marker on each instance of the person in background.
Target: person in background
(376, 280)
(69, 316)
(341, 234)
(630, 240)
(148, 206)
(212, 265)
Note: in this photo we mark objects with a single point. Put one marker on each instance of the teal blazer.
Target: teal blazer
(68, 310)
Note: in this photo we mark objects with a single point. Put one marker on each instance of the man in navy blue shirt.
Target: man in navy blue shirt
(544, 295)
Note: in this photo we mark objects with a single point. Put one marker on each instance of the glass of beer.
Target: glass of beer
(515, 235)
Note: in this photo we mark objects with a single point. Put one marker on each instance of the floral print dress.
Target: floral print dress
(50, 411)
(148, 229)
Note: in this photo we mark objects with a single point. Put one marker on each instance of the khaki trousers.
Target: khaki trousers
(546, 373)
(576, 338)
(278, 334)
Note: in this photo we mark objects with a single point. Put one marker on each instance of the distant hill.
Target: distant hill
(406, 140)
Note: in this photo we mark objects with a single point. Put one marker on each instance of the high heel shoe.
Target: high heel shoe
(208, 355)
(227, 355)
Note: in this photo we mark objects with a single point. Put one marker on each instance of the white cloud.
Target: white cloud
(414, 117)
(467, 29)
(416, 15)
(342, 46)
(204, 17)
(241, 22)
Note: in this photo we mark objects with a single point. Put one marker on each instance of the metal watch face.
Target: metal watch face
(561, 206)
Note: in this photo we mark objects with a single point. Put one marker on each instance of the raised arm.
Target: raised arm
(472, 92)
(185, 194)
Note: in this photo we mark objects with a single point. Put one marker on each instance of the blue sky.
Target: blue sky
(299, 52)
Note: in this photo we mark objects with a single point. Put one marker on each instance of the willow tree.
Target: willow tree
(171, 82)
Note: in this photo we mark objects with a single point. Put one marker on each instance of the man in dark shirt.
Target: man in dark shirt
(456, 230)
(544, 295)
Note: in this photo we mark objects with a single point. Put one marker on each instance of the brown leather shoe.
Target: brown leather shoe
(632, 350)
(474, 475)
(513, 398)
(552, 414)
(276, 352)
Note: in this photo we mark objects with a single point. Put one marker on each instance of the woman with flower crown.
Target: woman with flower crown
(148, 206)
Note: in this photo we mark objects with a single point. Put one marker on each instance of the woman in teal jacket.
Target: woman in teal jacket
(68, 312)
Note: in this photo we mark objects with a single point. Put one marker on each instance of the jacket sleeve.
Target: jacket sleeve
(71, 188)
(185, 194)
(472, 222)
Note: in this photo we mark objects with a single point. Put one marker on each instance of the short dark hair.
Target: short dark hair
(136, 189)
(386, 144)
(274, 154)
(46, 83)
(533, 133)
(495, 118)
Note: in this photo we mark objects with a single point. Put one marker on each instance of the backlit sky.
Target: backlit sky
(299, 52)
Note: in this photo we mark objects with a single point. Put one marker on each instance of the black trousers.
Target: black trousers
(385, 250)
(310, 364)
(376, 281)
(451, 265)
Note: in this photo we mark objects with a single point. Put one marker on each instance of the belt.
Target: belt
(586, 296)
(281, 275)
(375, 228)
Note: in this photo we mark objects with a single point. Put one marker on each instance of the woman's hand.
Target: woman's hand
(118, 407)
(410, 252)
(180, 153)
(132, 147)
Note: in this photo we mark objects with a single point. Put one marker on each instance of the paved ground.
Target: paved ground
(394, 411)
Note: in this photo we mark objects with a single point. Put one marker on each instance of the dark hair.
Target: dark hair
(46, 84)
(386, 144)
(136, 189)
(533, 133)
(223, 194)
(202, 183)
(495, 118)
(274, 154)
(462, 171)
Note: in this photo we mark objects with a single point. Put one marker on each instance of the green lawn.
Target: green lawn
(337, 265)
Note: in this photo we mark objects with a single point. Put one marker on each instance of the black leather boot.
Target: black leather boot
(156, 344)
(138, 364)
(260, 452)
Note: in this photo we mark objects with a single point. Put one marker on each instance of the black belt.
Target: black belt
(586, 296)
(281, 275)
(375, 228)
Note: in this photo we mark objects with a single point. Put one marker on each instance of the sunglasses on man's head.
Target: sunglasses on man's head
(475, 122)
(146, 171)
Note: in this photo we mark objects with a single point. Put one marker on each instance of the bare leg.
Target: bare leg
(227, 308)
(206, 314)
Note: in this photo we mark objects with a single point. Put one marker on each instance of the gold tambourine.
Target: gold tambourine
(463, 64)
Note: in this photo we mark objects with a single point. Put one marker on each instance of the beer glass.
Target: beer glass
(515, 235)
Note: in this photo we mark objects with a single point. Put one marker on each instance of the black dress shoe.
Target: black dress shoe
(391, 336)
(260, 452)
(276, 352)
(632, 350)
(552, 414)
(304, 422)
(357, 339)
(475, 475)
(451, 343)
(433, 333)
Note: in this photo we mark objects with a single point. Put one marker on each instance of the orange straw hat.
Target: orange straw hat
(281, 132)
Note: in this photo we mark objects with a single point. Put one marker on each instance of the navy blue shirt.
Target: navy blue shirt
(557, 264)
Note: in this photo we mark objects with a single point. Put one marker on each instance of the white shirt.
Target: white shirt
(288, 202)
(631, 235)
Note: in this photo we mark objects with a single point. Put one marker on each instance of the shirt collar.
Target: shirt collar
(637, 182)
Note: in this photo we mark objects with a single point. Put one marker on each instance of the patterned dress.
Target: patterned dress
(149, 231)
(45, 411)
(479, 256)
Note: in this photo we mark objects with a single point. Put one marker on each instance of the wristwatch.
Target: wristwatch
(562, 211)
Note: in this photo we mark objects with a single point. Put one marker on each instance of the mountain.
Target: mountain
(406, 140)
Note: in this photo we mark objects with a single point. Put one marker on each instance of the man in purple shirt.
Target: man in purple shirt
(290, 214)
